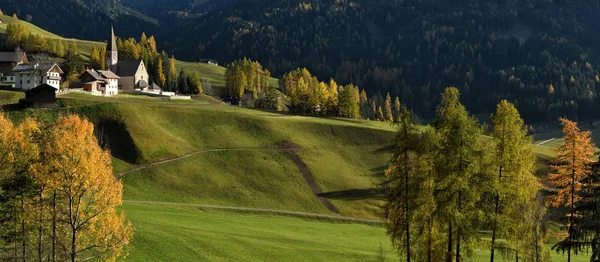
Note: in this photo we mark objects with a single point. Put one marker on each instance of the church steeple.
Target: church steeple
(112, 54)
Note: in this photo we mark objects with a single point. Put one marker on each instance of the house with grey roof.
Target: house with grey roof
(8, 61)
(100, 82)
(29, 76)
(133, 74)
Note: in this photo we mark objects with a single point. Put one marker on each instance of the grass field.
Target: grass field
(170, 233)
(10, 97)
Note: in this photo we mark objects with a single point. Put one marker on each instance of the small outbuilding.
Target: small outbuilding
(43, 96)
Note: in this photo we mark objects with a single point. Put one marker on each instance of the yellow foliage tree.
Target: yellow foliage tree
(571, 166)
(89, 191)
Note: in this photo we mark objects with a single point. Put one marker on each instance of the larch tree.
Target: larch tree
(396, 108)
(570, 168)
(90, 224)
(389, 115)
(457, 170)
(514, 184)
(400, 187)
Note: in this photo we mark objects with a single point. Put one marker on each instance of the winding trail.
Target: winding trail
(259, 210)
(288, 148)
(121, 174)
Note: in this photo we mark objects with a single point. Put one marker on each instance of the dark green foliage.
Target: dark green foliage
(490, 50)
(67, 17)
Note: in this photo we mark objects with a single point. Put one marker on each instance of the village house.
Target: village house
(8, 61)
(133, 74)
(29, 76)
(41, 96)
(100, 82)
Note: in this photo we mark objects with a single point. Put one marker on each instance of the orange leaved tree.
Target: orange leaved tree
(88, 193)
(571, 166)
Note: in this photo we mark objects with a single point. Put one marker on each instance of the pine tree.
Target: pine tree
(457, 168)
(389, 116)
(571, 166)
(514, 184)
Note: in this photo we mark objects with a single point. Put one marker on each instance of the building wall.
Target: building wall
(142, 74)
(112, 88)
(127, 84)
(26, 81)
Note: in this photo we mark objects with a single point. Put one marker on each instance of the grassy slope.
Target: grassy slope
(10, 97)
(166, 233)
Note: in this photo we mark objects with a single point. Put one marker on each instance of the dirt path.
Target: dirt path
(288, 148)
(261, 210)
(290, 152)
(121, 174)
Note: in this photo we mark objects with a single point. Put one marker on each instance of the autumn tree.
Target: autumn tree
(91, 224)
(514, 184)
(570, 168)
(457, 168)
(387, 105)
(349, 102)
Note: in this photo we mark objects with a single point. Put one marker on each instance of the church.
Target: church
(133, 74)
(125, 76)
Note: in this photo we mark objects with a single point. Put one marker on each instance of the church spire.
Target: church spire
(113, 40)
(112, 54)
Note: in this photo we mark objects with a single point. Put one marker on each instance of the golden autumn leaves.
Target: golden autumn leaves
(62, 196)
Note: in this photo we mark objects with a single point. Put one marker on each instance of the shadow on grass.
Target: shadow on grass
(354, 194)
(114, 135)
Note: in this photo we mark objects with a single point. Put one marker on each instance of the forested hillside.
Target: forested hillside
(170, 12)
(540, 55)
(83, 19)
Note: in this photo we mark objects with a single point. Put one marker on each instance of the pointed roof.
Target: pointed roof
(112, 45)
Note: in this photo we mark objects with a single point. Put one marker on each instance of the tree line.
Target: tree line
(456, 185)
(491, 50)
(58, 195)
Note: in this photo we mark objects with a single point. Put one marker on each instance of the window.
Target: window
(28, 81)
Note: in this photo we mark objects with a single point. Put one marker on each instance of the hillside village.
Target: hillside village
(122, 76)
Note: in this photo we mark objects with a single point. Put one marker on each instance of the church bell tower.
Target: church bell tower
(112, 55)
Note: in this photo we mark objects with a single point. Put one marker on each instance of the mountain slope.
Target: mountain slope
(490, 49)
(86, 19)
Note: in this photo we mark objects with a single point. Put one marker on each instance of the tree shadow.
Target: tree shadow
(385, 150)
(378, 172)
(355, 194)
(113, 134)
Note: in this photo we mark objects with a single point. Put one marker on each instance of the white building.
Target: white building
(7, 79)
(29, 76)
(100, 82)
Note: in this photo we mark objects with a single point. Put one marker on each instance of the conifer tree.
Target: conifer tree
(571, 167)
(389, 116)
(514, 184)
(457, 171)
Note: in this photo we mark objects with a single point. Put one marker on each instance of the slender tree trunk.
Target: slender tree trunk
(496, 213)
(517, 256)
(73, 245)
(459, 231)
(429, 239)
(572, 205)
(40, 229)
(16, 229)
(24, 236)
(449, 255)
(537, 250)
(406, 194)
(54, 226)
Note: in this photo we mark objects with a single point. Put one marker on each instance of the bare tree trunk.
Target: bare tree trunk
(496, 213)
(54, 226)
(406, 195)
(24, 236)
(449, 255)
(459, 231)
(40, 229)
(572, 206)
